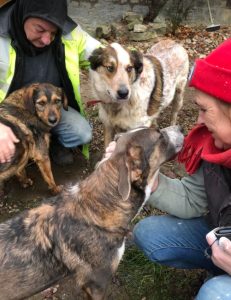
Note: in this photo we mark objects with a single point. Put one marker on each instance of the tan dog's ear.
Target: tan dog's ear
(64, 100)
(131, 170)
(28, 97)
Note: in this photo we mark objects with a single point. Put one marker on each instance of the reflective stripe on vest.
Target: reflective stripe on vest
(74, 57)
(7, 66)
(73, 63)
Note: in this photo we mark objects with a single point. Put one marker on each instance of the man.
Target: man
(40, 43)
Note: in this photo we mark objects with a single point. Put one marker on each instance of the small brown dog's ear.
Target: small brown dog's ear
(64, 100)
(28, 97)
(124, 186)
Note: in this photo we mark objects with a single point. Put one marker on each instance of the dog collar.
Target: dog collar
(93, 102)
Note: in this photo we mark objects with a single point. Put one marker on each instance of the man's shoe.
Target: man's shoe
(60, 155)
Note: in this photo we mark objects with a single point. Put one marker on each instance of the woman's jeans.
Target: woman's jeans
(216, 288)
(179, 243)
(73, 129)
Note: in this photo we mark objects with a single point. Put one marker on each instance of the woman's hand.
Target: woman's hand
(221, 251)
(7, 143)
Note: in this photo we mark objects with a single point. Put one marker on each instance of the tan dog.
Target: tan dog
(81, 232)
(31, 112)
(134, 89)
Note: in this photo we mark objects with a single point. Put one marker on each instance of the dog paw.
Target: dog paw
(57, 189)
(26, 183)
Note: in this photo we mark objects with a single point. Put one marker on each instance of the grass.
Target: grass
(139, 279)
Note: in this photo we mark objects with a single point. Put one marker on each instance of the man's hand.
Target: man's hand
(221, 251)
(7, 143)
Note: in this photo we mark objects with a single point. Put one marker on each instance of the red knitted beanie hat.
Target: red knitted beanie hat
(212, 75)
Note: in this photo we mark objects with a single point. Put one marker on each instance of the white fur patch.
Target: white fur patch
(148, 188)
(74, 189)
(121, 251)
(176, 138)
(122, 54)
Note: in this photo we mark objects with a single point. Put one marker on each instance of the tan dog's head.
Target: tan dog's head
(145, 150)
(113, 70)
(45, 101)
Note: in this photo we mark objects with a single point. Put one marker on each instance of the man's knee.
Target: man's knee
(85, 136)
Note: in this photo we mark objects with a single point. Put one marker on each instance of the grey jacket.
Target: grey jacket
(185, 198)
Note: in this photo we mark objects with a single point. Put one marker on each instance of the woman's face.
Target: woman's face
(216, 116)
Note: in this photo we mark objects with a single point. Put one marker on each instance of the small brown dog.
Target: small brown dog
(134, 88)
(81, 232)
(31, 112)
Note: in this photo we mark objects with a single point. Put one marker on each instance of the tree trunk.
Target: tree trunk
(154, 8)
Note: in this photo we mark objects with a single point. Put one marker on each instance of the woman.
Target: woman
(201, 201)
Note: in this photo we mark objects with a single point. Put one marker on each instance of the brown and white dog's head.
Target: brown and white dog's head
(146, 150)
(113, 70)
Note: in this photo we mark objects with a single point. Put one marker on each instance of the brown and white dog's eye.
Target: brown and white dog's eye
(129, 69)
(110, 68)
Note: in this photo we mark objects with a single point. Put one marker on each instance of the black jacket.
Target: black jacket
(218, 189)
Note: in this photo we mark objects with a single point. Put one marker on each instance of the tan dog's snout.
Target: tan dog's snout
(175, 137)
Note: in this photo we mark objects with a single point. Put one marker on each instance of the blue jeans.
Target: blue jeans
(180, 243)
(218, 287)
(175, 242)
(73, 129)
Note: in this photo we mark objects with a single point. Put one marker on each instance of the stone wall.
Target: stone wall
(90, 13)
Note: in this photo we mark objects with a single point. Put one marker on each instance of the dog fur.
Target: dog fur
(31, 112)
(81, 232)
(134, 88)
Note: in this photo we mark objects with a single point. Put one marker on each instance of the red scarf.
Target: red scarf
(198, 146)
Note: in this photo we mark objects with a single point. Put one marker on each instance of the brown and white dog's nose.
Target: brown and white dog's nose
(123, 92)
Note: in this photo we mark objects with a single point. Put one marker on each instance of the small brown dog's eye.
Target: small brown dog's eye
(110, 68)
(129, 69)
(41, 103)
(58, 101)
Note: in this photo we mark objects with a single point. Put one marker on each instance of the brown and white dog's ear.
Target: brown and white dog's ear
(131, 170)
(28, 97)
(137, 61)
(96, 58)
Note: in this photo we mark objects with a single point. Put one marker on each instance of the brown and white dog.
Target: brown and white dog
(133, 88)
(81, 232)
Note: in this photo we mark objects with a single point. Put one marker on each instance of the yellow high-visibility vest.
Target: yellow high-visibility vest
(78, 46)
